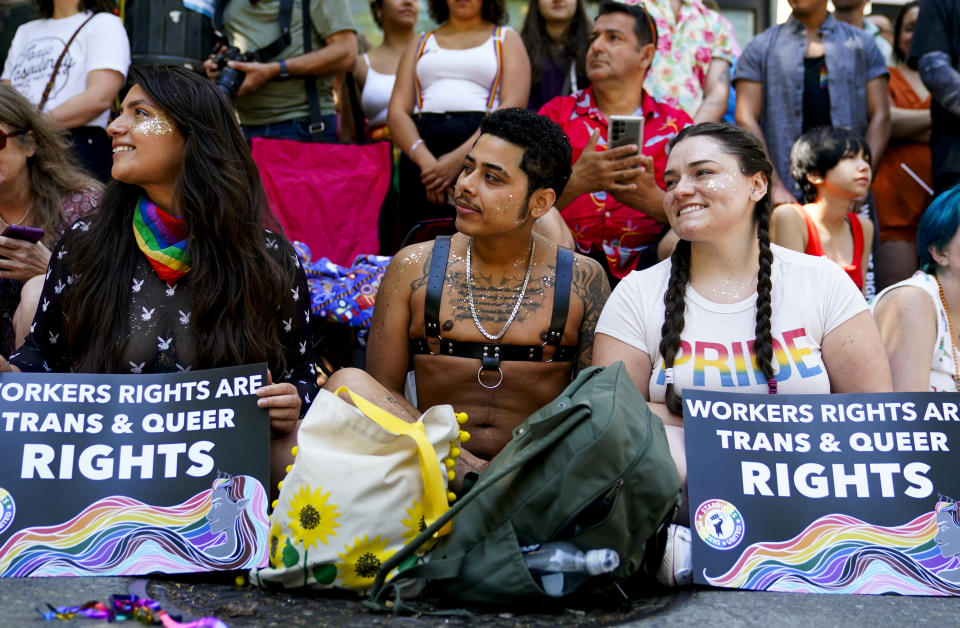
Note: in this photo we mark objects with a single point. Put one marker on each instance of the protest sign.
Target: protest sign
(824, 493)
(132, 474)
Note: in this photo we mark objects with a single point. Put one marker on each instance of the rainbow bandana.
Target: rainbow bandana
(163, 239)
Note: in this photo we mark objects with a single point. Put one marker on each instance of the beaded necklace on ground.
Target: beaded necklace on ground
(516, 307)
(953, 339)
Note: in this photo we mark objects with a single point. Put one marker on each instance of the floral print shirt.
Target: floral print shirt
(599, 221)
(686, 45)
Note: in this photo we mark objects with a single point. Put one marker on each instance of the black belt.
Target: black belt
(490, 352)
(446, 115)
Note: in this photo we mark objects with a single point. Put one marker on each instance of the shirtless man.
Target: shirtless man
(502, 296)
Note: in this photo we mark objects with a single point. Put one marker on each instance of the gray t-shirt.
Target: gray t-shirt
(250, 26)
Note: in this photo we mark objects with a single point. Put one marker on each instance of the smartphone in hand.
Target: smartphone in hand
(626, 130)
(20, 232)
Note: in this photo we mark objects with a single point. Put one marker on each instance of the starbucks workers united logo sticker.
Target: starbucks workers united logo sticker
(8, 509)
(719, 524)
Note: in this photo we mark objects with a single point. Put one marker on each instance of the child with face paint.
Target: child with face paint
(175, 271)
(832, 167)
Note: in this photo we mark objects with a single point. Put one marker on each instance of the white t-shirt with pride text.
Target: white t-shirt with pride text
(811, 296)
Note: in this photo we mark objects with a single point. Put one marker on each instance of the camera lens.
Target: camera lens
(229, 81)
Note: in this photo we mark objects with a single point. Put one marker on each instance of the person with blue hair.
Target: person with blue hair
(916, 316)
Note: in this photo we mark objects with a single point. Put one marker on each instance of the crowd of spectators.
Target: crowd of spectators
(828, 106)
(840, 69)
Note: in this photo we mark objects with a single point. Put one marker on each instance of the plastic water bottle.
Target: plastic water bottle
(560, 567)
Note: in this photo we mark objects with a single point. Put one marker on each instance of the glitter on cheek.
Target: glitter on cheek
(731, 182)
(158, 125)
(716, 185)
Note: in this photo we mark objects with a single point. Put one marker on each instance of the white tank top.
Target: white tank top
(376, 94)
(942, 367)
(459, 80)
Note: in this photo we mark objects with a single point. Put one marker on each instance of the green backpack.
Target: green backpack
(592, 467)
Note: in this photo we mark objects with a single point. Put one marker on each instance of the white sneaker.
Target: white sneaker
(676, 568)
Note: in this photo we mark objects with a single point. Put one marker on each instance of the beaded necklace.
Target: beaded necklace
(953, 339)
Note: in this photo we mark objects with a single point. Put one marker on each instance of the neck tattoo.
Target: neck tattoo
(516, 307)
(953, 338)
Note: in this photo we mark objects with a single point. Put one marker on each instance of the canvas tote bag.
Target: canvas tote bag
(362, 484)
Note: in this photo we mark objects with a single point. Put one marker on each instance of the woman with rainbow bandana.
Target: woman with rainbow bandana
(175, 272)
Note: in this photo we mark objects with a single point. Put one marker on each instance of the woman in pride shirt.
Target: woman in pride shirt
(729, 311)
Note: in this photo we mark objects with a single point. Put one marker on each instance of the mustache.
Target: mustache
(460, 200)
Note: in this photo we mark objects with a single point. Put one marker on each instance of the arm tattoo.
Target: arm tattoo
(424, 277)
(591, 287)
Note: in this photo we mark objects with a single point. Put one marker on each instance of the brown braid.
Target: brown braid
(763, 343)
(674, 306)
(752, 157)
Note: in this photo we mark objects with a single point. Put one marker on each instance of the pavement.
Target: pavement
(239, 607)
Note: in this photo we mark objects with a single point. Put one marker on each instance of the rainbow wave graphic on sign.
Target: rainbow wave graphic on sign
(224, 527)
(842, 554)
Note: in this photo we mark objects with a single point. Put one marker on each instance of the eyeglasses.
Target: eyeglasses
(5, 134)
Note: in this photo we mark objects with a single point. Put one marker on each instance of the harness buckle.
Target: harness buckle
(480, 380)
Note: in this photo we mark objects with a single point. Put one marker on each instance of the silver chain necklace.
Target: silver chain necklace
(516, 307)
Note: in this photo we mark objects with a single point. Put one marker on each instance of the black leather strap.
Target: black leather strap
(56, 66)
(310, 82)
(561, 296)
(218, 10)
(431, 302)
(491, 350)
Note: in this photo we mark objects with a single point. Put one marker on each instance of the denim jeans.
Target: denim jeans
(297, 129)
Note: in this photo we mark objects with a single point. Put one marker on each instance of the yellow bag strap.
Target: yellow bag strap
(434, 494)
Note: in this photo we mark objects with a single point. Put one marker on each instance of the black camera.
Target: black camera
(229, 79)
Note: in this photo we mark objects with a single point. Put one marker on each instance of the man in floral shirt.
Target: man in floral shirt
(613, 202)
(691, 69)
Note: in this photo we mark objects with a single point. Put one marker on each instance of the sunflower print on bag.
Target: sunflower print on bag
(360, 563)
(312, 519)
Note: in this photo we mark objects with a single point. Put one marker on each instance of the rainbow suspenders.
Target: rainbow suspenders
(494, 85)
